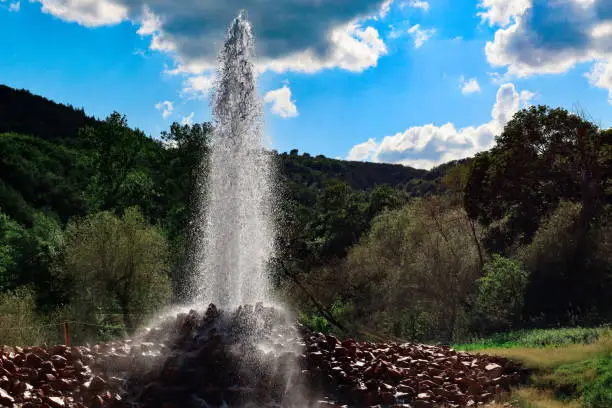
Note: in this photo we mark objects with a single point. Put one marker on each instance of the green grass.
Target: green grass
(572, 368)
(538, 338)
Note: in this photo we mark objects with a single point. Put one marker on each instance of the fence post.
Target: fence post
(66, 334)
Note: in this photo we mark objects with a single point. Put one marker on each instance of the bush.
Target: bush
(412, 274)
(499, 298)
(19, 323)
(118, 265)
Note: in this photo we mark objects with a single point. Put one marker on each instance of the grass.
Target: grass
(572, 368)
(538, 338)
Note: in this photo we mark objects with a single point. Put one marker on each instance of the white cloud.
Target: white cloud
(292, 35)
(430, 145)
(420, 35)
(282, 104)
(526, 98)
(15, 6)
(166, 107)
(423, 5)
(89, 13)
(538, 37)
(469, 86)
(502, 12)
(385, 8)
(362, 151)
(601, 77)
(188, 120)
(354, 49)
(197, 87)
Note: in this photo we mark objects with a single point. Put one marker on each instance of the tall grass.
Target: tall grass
(539, 338)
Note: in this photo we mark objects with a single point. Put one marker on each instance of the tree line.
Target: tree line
(97, 224)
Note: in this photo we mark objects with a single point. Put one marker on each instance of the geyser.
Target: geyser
(237, 203)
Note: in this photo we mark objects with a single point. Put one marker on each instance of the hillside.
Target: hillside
(25, 113)
(58, 165)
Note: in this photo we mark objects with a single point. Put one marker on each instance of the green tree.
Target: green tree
(542, 156)
(115, 152)
(117, 263)
(566, 281)
(500, 295)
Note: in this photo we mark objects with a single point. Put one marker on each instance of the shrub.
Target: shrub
(500, 294)
(119, 266)
(19, 323)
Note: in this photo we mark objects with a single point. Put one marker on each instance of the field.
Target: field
(572, 368)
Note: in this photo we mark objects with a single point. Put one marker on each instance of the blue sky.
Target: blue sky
(405, 81)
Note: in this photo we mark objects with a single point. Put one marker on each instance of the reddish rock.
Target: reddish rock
(58, 361)
(5, 398)
(55, 402)
(96, 385)
(32, 361)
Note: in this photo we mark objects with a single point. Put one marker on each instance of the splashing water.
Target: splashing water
(237, 208)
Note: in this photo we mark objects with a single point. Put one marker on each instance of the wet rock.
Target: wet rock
(5, 398)
(32, 361)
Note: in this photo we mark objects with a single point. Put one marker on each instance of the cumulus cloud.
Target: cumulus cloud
(354, 49)
(502, 12)
(188, 120)
(419, 4)
(469, 86)
(430, 145)
(537, 36)
(89, 13)
(291, 34)
(601, 77)
(362, 151)
(15, 6)
(420, 35)
(197, 87)
(282, 104)
(166, 107)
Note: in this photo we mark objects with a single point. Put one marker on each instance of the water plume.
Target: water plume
(237, 205)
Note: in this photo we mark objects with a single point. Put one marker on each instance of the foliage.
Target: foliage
(315, 321)
(118, 265)
(33, 115)
(565, 282)
(570, 367)
(537, 338)
(36, 175)
(500, 293)
(598, 393)
(542, 156)
(411, 275)
(19, 322)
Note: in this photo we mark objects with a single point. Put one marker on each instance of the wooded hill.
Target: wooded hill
(96, 220)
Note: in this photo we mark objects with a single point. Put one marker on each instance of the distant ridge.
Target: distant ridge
(25, 113)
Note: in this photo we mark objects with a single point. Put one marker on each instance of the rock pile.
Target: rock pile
(58, 377)
(411, 375)
(252, 357)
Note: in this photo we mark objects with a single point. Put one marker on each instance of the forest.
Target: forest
(96, 228)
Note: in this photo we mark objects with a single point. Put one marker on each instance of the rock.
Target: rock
(5, 398)
(493, 370)
(32, 361)
(58, 361)
(97, 385)
(55, 402)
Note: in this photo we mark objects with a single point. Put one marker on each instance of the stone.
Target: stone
(96, 385)
(58, 361)
(5, 398)
(32, 361)
(55, 402)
